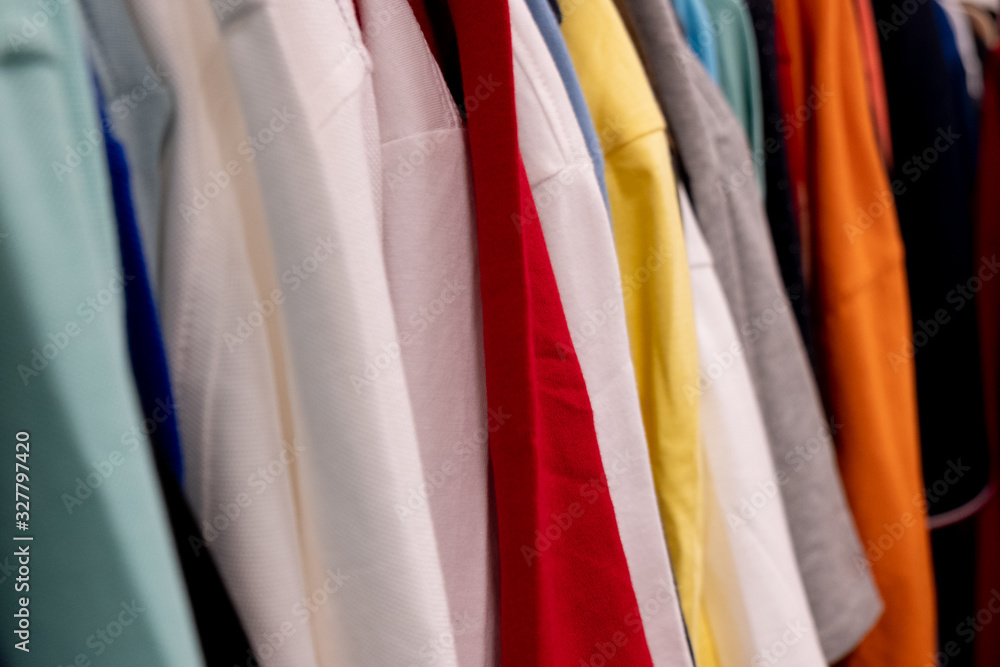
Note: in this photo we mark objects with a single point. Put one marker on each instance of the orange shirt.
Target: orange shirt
(862, 313)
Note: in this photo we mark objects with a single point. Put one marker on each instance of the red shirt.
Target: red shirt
(565, 591)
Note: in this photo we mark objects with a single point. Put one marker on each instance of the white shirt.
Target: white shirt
(431, 255)
(754, 596)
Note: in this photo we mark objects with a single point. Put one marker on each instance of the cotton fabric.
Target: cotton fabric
(933, 186)
(862, 310)
(871, 57)
(754, 592)
(431, 259)
(140, 108)
(102, 549)
(120, 65)
(224, 347)
(965, 41)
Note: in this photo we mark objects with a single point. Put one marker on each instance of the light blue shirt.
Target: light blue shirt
(545, 18)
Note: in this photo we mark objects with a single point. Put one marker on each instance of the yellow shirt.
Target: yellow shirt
(655, 281)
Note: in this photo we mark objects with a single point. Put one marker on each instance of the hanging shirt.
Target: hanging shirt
(545, 18)
(753, 588)
(98, 547)
(217, 297)
(726, 199)
(862, 308)
(933, 179)
(305, 78)
(657, 296)
(564, 578)
(429, 241)
(582, 251)
(933, 184)
(739, 74)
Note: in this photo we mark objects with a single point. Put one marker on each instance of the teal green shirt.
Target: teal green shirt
(101, 578)
(739, 73)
